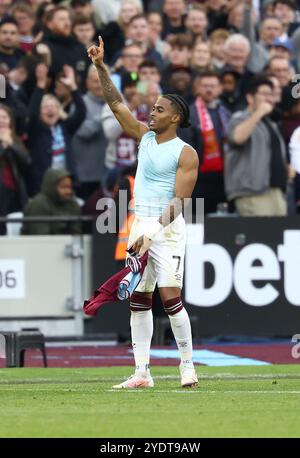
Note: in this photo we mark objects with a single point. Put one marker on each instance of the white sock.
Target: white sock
(141, 334)
(181, 327)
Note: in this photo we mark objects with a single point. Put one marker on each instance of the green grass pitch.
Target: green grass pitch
(256, 401)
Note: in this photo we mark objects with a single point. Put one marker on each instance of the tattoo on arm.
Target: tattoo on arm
(172, 211)
(111, 94)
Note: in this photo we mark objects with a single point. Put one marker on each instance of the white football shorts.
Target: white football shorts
(165, 256)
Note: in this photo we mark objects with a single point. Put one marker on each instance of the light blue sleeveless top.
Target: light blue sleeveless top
(155, 176)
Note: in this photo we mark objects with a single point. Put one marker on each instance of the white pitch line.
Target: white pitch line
(233, 377)
(255, 391)
(132, 390)
(100, 379)
(204, 391)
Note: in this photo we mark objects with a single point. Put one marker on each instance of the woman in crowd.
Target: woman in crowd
(50, 129)
(114, 32)
(14, 161)
(201, 56)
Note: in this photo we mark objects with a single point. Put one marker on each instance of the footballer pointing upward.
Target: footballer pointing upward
(166, 175)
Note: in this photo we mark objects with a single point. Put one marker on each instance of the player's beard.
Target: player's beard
(156, 128)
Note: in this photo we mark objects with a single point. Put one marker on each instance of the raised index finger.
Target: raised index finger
(101, 44)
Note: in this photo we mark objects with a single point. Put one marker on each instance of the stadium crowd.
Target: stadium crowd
(234, 61)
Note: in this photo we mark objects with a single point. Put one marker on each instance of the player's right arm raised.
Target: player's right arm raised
(130, 125)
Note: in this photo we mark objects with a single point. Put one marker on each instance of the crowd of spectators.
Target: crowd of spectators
(236, 62)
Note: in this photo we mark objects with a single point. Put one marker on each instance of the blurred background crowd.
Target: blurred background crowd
(236, 62)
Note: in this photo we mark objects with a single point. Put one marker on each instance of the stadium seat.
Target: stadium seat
(17, 342)
(14, 228)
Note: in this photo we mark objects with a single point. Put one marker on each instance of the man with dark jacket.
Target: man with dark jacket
(10, 52)
(236, 54)
(64, 49)
(55, 199)
(173, 17)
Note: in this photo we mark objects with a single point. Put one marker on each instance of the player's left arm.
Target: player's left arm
(186, 177)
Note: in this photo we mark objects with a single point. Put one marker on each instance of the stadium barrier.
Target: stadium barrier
(44, 280)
